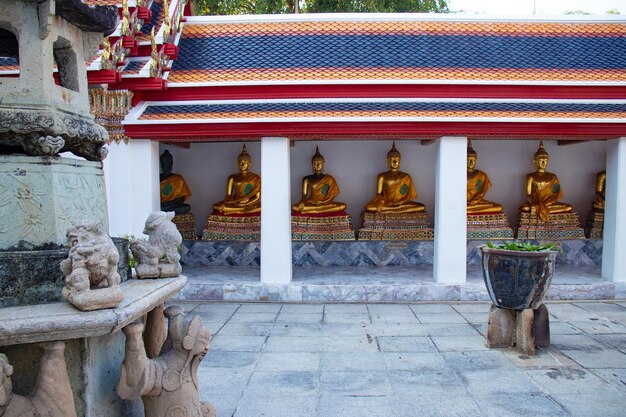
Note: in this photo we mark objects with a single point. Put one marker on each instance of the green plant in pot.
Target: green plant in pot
(518, 274)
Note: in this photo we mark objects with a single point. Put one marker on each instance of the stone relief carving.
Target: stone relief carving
(81, 136)
(52, 396)
(158, 257)
(43, 146)
(91, 278)
(167, 384)
(22, 198)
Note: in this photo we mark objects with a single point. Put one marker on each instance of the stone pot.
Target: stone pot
(517, 279)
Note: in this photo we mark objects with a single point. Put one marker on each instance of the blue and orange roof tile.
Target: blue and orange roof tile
(403, 50)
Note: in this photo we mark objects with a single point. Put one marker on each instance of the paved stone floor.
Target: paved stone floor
(388, 360)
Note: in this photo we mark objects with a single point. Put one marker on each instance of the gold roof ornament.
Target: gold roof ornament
(125, 29)
(154, 56)
(166, 21)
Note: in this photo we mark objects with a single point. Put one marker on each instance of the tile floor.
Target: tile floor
(388, 360)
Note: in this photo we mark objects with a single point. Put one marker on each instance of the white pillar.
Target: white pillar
(614, 238)
(276, 267)
(449, 263)
(131, 174)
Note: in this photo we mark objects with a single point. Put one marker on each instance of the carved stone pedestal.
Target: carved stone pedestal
(318, 227)
(186, 225)
(526, 329)
(595, 225)
(247, 228)
(488, 226)
(559, 226)
(395, 226)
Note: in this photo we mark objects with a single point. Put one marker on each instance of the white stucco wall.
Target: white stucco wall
(355, 164)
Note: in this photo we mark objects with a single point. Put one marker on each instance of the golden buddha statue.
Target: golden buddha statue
(598, 203)
(318, 190)
(477, 186)
(243, 190)
(543, 189)
(394, 189)
(174, 189)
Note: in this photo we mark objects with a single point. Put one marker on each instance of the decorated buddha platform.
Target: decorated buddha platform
(488, 226)
(595, 224)
(395, 226)
(186, 225)
(322, 226)
(559, 226)
(243, 227)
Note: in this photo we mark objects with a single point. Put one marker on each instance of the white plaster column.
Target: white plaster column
(131, 174)
(614, 237)
(449, 263)
(276, 266)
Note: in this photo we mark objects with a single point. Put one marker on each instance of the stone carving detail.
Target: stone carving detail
(91, 278)
(167, 384)
(52, 396)
(158, 257)
(44, 145)
(83, 137)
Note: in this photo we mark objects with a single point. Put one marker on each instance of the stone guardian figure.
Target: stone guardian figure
(167, 384)
(158, 257)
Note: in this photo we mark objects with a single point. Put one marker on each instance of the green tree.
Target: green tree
(223, 7)
(612, 11)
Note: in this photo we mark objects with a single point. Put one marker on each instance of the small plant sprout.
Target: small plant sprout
(525, 246)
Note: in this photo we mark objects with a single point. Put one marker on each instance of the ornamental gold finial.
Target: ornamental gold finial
(125, 29)
(166, 20)
(105, 60)
(154, 56)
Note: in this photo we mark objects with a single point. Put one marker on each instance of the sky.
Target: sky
(543, 7)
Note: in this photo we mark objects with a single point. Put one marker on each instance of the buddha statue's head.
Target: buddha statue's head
(393, 158)
(541, 157)
(167, 162)
(317, 162)
(472, 156)
(243, 160)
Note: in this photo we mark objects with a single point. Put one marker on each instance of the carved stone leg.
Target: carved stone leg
(524, 337)
(501, 327)
(155, 332)
(541, 326)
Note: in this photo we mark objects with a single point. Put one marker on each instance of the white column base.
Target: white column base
(614, 240)
(276, 265)
(450, 257)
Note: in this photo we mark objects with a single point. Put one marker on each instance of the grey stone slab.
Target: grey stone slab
(441, 329)
(491, 359)
(213, 316)
(222, 381)
(355, 383)
(519, 405)
(601, 307)
(569, 381)
(302, 309)
(347, 329)
(292, 383)
(561, 327)
(349, 344)
(247, 329)
(333, 404)
(260, 308)
(383, 318)
(289, 361)
(299, 318)
(592, 405)
(437, 406)
(346, 308)
(424, 383)
(253, 318)
(293, 344)
(221, 359)
(356, 318)
(495, 381)
(575, 342)
(476, 318)
(607, 358)
(600, 326)
(432, 308)
(237, 343)
(549, 357)
(615, 377)
(616, 341)
(414, 361)
(297, 329)
(349, 362)
(459, 343)
(476, 308)
(225, 404)
(217, 308)
(401, 329)
(271, 406)
(568, 312)
(444, 318)
(406, 344)
(390, 309)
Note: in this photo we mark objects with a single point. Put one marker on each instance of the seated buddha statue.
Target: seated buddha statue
(394, 189)
(477, 186)
(543, 189)
(598, 203)
(174, 189)
(318, 190)
(243, 190)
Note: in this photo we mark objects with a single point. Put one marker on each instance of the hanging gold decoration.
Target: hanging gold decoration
(109, 108)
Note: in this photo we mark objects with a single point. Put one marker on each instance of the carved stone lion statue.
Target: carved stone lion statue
(158, 257)
(91, 265)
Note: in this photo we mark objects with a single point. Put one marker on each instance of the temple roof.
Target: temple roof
(398, 48)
